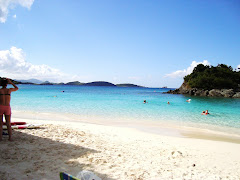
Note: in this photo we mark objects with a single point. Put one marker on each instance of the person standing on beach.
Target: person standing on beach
(5, 97)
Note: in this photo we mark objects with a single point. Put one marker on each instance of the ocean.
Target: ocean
(124, 106)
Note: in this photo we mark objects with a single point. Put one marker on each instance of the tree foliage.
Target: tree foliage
(210, 77)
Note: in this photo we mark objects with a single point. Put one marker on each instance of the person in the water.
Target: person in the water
(205, 112)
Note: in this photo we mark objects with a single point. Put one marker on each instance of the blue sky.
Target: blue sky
(146, 42)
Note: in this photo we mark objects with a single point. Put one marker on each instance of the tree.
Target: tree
(219, 77)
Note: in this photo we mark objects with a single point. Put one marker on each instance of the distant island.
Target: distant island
(74, 83)
(219, 81)
(127, 85)
(99, 83)
(33, 81)
(77, 83)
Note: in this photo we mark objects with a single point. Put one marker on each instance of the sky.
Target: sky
(152, 43)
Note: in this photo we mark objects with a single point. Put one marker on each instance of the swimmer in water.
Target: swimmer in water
(168, 102)
(205, 112)
(144, 102)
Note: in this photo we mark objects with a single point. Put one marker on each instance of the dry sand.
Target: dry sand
(113, 153)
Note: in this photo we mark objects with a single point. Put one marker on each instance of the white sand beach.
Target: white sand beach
(113, 153)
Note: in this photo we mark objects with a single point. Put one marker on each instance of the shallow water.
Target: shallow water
(118, 104)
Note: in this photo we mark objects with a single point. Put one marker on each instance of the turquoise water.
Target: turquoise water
(116, 103)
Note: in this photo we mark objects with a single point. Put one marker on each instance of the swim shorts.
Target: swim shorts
(5, 110)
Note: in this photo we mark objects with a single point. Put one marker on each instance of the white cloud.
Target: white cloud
(238, 67)
(5, 5)
(14, 16)
(13, 65)
(182, 73)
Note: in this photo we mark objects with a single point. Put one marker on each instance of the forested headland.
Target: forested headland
(220, 80)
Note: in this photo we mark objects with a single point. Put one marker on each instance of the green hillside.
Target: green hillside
(210, 77)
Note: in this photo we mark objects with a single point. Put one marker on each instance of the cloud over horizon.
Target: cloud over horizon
(238, 67)
(182, 73)
(14, 66)
(5, 5)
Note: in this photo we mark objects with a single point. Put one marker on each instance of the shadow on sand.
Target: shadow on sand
(30, 157)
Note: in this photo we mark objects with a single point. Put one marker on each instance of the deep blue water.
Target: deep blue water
(119, 102)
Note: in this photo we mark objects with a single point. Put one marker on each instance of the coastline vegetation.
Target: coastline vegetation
(213, 77)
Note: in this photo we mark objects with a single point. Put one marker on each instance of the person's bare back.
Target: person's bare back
(5, 109)
(5, 97)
